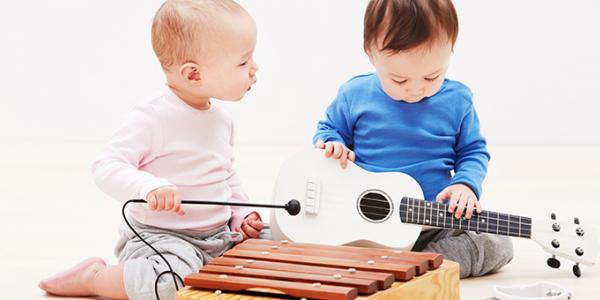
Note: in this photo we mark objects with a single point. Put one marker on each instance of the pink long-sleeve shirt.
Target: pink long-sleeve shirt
(167, 142)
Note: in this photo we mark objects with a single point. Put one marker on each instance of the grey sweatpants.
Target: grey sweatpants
(185, 250)
(477, 253)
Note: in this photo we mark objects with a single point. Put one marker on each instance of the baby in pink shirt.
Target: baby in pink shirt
(177, 146)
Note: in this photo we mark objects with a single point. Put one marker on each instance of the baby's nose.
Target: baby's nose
(254, 68)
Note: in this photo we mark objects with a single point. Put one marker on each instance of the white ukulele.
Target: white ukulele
(357, 207)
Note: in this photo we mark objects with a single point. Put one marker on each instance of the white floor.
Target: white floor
(53, 216)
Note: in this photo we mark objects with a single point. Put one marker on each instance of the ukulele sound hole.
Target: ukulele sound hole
(374, 206)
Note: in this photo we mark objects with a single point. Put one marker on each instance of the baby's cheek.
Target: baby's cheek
(395, 92)
(435, 88)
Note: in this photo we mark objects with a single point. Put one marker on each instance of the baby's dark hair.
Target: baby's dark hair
(399, 25)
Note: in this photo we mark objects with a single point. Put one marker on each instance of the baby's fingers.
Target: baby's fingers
(443, 195)
(452, 203)
(338, 150)
(470, 207)
(344, 160)
(250, 231)
(160, 201)
(462, 203)
(151, 201)
(242, 232)
(177, 205)
(320, 145)
(256, 224)
(328, 149)
(169, 201)
(351, 155)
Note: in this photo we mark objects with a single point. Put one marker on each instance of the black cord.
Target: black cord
(175, 275)
(163, 273)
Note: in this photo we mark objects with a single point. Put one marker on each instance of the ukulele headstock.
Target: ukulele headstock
(566, 239)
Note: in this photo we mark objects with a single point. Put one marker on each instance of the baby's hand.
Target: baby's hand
(165, 198)
(338, 151)
(251, 226)
(461, 195)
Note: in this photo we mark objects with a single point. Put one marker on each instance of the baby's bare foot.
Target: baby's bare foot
(74, 281)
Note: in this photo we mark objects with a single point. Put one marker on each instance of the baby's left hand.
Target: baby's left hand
(460, 197)
(251, 226)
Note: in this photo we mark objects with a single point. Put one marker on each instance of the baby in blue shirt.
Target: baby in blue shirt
(407, 117)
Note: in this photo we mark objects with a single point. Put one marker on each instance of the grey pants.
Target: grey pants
(185, 250)
(477, 253)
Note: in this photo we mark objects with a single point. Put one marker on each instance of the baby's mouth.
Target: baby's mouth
(250, 87)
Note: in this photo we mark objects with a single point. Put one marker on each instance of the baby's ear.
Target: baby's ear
(190, 72)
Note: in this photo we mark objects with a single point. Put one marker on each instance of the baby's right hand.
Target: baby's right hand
(337, 150)
(165, 198)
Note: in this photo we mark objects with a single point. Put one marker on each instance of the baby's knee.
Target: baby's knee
(499, 248)
(490, 254)
(497, 252)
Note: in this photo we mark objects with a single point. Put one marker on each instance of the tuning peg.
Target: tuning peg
(577, 270)
(576, 220)
(553, 216)
(553, 262)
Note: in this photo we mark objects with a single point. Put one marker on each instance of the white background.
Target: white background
(70, 70)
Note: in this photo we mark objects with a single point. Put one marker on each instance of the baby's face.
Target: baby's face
(412, 75)
(231, 70)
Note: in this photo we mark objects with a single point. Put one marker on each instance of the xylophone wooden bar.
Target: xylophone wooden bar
(296, 289)
(383, 280)
(434, 259)
(363, 286)
(420, 264)
(400, 271)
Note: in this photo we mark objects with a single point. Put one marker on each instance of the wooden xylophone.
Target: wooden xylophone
(276, 269)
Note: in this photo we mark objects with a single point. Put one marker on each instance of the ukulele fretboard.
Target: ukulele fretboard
(417, 211)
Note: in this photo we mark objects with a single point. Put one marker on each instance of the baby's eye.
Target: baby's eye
(433, 78)
(399, 82)
(243, 64)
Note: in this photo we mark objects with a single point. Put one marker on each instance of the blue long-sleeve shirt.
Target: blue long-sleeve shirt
(426, 140)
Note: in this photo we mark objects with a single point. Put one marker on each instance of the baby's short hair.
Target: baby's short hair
(179, 26)
(398, 25)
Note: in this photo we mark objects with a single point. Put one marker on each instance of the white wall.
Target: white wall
(70, 70)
